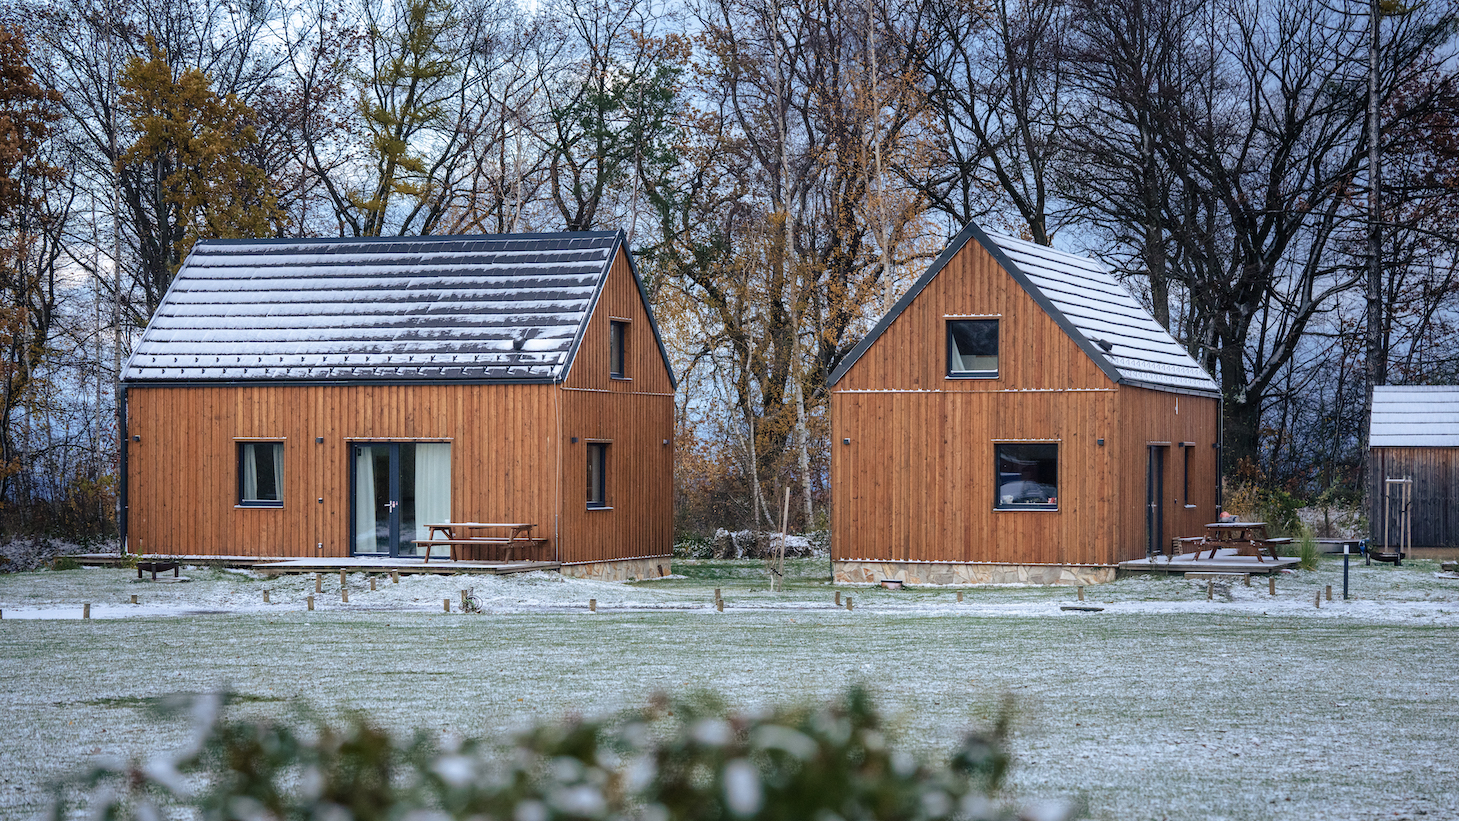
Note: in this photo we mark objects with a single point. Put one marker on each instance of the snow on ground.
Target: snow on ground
(1165, 704)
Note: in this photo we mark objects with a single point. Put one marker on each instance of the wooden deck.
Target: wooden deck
(279, 567)
(1226, 561)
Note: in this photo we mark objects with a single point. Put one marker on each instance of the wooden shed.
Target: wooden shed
(1414, 435)
(1017, 417)
(331, 398)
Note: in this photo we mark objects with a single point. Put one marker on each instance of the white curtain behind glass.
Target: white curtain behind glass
(432, 489)
(365, 501)
(250, 474)
(277, 452)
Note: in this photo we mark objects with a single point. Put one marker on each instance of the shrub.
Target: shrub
(675, 760)
(65, 563)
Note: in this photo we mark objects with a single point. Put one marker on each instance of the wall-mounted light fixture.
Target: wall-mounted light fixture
(574, 440)
(666, 441)
(319, 440)
(1100, 441)
(137, 437)
(846, 441)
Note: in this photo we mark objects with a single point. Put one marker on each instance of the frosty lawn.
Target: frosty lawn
(1164, 705)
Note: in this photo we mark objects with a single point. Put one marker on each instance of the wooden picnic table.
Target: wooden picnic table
(1248, 538)
(458, 535)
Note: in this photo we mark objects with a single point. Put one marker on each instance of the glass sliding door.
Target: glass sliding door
(399, 489)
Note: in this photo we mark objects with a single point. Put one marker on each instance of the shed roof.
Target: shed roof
(495, 308)
(1414, 417)
(1087, 302)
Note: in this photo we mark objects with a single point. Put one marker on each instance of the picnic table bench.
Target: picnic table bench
(1248, 538)
(456, 535)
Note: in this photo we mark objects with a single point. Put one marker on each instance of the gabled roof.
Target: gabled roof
(1414, 417)
(1087, 302)
(493, 308)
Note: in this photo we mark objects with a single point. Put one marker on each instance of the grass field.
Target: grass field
(1165, 705)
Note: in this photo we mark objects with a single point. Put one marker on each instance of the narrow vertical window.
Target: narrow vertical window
(617, 348)
(1186, 484)
(597, 474)
(972, 348)
(261, 474)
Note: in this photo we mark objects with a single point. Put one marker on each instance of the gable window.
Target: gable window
(261, 474)
(597, 474)
(972, 348)
(617, 349)
(1028, 476)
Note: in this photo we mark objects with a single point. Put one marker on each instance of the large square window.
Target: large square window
(261, 474)
(972, 348)
(597, 474)
(1028, 476)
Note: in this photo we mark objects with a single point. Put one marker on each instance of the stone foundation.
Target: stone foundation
(872, 572)
(625, 570)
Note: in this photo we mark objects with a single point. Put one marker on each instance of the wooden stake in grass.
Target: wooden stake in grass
(341, 578)
(395, 577)
(372, 582)
(1081, 592)
(344, 595)
(848, 603)
(463, 600)
(838, 598)
(446, 604)
(960, 595)
(318, 582)
(86, 610)
(310, 602)
(134, 598)
(1271, 585)
(1246, 579)
(1210, 589)
(719, 605)
(717, 597)
(1329, 592)
(1317, 599)
(265, 597)
(592, 605)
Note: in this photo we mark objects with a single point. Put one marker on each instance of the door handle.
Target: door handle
(394, 505)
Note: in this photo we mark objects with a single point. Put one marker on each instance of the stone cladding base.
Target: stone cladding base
(865, 571)
(627, 570)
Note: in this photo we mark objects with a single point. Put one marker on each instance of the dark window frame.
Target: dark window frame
(618, 349)
(952, 345)
(597, 483)
(1185, 494)
(998, 504)
(241, 448)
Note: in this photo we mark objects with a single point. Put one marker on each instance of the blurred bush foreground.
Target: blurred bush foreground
(687, 759)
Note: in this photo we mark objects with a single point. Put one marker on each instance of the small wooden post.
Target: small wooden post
(265, 596)
(838, 598)
(719, 605)
(848, 602)
(1329, 592)
(318, 582)
(1210, 589)
(344, 595)
(592, 605)
(717, 597)
(446, 605)
(1317, 599)
(395, 577)
(341, 577)
(960, 595)
(372, 582)
(134, 598)
(463, 600)
(1271, 585)
(1081, 592)
(86, 610)
(1246, 579)
(310, 601)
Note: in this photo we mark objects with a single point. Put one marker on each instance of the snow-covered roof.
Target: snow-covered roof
(1087, 302)
(479, 308)
(1415, 417)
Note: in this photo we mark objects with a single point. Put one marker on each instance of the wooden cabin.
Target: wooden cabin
(1017, 417)
(332, 398)
(1414, 435)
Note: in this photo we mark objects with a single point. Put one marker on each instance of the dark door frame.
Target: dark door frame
(1155, 500)
(394, 492)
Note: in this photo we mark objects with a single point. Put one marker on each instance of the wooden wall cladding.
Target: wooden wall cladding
(182, 475)
(1145, 417)
(1435, 512)
(916, 483)
(645, 369)
(1034, 352)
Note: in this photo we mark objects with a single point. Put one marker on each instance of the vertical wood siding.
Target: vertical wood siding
(917, 481)
(1435, 511)
(183, 480)
(634, 414)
